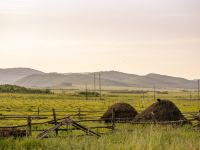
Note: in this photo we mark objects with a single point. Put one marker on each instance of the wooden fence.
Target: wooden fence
(56, 120)
(72, 118)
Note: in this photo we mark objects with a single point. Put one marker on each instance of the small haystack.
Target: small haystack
(8, 132)
(197, 118)
(163, 110)
(123, 112)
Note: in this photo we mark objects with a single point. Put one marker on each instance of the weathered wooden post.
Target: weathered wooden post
(55, 120)
(79, 113)
(86, 92)
(29, 126)
(113, 118)
(38, 111)
(67, 124)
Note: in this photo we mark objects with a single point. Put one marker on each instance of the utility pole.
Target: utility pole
(154, 87)
(100, 85)
(94, 82)
(143, 95)
(190, 96)
(198, 89)
(142, 99)
(86, 92)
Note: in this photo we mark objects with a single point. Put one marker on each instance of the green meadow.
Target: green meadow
(125, 136)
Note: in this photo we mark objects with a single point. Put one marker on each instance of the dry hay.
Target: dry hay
(197, 118)
(123, 112)
(161, 111)
(12, 132)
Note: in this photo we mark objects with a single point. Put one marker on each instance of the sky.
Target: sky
(133, 36)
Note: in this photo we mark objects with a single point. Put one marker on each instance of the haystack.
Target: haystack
(123, 112)
(8, 132)
(163, 110)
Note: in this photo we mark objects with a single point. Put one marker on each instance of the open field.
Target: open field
(125, 136)
(141, 137)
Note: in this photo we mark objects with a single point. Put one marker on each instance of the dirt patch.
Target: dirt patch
(123, 112)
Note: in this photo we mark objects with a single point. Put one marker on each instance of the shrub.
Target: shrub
(18, 89)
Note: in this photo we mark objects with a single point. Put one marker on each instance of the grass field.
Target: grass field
(125, 136)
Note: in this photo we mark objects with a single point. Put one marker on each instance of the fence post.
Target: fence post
(29, 126)
(38, 111)
(79, 113)
(113, 118)
(55, 120)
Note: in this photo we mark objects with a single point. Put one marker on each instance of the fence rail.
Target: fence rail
(79, 116)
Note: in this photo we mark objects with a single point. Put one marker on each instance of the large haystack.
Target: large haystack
(163, 110)
(123, 112)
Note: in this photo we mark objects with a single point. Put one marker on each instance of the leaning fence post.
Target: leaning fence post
(55, 120)
(29, 126)
(113, 118)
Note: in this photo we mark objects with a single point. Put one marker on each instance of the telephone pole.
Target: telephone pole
(143, 95)
(198, 89)
(94, 82)
(154, 87)
(100, 85)
(86, 92)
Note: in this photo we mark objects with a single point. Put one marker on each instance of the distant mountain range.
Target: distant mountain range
(11, 75)
(33, 78)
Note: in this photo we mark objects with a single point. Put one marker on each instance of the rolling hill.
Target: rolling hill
(55, 79)
(32, 78)
(11, 75)
(161, 81)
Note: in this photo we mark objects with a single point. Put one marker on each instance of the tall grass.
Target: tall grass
(127, 138)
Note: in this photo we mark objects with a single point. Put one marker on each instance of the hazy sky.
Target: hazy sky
(135, 36)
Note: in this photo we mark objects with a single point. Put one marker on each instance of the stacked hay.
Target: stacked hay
(197, 118)
(8, 132)
(163, 110)
(123, 112)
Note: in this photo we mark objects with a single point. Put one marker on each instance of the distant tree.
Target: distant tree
(18, 89)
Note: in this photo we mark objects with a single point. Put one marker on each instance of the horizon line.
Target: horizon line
(98, 72)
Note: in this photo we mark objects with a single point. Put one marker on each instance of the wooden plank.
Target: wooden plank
(161, 122)
(97, 127)
(85, 129)
(20, 117)
(46, 132)
(46, 122)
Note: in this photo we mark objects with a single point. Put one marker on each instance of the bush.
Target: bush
(162, 92)
(92, 94)
(18, 89)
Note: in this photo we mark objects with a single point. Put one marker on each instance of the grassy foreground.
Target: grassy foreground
(125, 137)
(138, 138)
